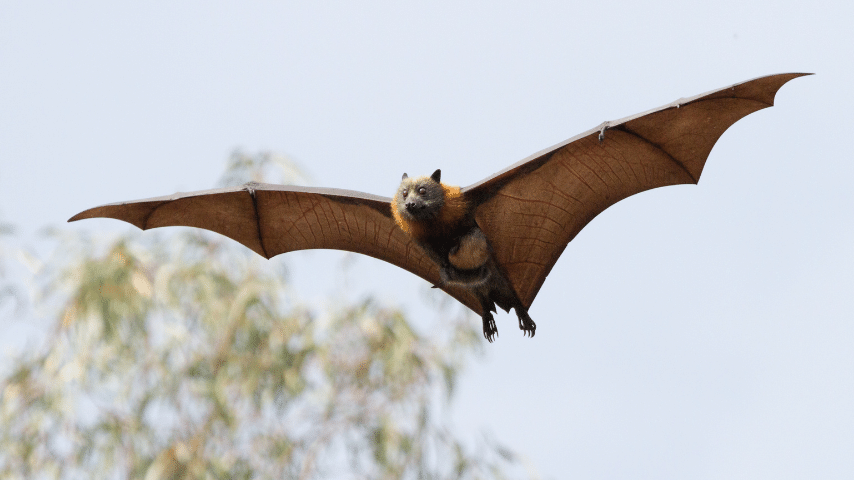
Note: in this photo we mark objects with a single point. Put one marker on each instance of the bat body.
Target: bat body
(442, 223)
(491, 243)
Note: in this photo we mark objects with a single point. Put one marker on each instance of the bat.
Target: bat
(493, 242)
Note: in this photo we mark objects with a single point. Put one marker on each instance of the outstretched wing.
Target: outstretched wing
(533, 209)
(274, 219)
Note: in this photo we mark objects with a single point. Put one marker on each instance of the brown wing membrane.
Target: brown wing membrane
(274, 219)
(533, 209)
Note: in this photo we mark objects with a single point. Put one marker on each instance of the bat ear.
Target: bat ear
(436, 175)
(405, 176)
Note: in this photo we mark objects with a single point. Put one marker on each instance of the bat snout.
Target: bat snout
(413, 206)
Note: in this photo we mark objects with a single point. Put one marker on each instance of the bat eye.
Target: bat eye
(422, 190)
(405, 192)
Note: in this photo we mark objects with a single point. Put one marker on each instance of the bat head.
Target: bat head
(420, 198)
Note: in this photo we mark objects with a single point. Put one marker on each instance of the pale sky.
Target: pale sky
(695, 332)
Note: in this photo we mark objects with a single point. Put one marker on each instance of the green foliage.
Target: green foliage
(186, 357)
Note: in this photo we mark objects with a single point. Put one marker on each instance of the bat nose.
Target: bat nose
(413, 206)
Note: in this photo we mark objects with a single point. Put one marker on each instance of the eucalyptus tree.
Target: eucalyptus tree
(182, 355)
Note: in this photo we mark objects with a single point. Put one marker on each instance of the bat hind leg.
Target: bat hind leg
(490, 331)
(525, 323)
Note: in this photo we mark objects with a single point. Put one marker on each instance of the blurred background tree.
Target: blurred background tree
(181, 354)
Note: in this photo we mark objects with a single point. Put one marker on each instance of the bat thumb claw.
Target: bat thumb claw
(602, 128)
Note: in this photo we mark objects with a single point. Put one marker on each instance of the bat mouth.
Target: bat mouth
(414, 208)
(420, 211)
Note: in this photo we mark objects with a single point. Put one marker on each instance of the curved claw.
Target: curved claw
(489, 329)
(528, 327)
(602, 128)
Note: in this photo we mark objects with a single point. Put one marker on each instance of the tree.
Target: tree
(183, 355)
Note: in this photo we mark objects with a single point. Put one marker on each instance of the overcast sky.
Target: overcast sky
(688, 332)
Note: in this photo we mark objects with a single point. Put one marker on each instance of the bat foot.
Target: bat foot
(528, 327)
(490, 331)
